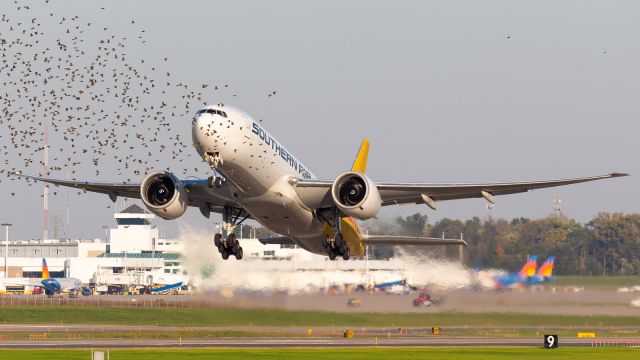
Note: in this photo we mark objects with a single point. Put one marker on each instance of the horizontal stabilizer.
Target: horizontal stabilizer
(409, 240)
(279, 240)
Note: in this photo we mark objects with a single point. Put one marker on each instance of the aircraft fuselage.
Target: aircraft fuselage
(259, 169)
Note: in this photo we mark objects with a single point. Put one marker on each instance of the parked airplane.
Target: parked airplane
(527, 276)
(256, 177)
(528, 270)
(544, 274)
(53, 286)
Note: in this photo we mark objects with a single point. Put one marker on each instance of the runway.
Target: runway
(311, 342)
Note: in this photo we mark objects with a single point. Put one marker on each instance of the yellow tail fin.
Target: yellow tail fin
(360, 163)
(45, 270)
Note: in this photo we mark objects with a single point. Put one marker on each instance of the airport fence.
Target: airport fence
(141, 301)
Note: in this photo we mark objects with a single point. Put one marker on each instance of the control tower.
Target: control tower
(134, 234)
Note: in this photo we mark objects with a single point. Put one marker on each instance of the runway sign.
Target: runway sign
(551, 341)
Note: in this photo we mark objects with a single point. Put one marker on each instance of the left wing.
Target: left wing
(317, 193)
(24, 282)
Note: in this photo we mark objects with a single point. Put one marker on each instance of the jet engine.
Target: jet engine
(356, 195)
(164, 195)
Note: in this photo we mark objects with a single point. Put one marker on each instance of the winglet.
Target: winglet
(360, 163)
(45, 269)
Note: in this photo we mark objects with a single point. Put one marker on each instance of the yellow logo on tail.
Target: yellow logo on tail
(360, 163)
(45, 270)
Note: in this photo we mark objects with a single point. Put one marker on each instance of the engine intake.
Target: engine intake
(356, 195)
(164, 195)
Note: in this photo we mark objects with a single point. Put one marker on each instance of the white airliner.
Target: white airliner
(256, 177)
(53, 286)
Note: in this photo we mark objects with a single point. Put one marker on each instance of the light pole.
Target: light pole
(6, 249)
(106, 233)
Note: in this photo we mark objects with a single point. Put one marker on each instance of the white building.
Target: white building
(133, 257)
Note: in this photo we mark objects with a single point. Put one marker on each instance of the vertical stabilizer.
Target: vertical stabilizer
(360, 163)
(546, 269)
(529, 268)
(45, 269)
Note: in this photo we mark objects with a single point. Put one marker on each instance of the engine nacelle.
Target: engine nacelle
(164, 195)
(356, 195)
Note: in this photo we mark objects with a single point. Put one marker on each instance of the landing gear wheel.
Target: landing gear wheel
(217, 240)
(345, 253)
(338, 241)
(225, 255)
(238, 253)
(325, 242)
(232, 243)
(211, 181)
(332, 255)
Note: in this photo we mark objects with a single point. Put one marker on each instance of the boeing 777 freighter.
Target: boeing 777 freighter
(256, 177)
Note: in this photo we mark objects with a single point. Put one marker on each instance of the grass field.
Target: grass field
(218, 316)
(362, 353)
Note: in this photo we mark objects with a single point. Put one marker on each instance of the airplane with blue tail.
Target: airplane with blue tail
(527, 276)
(544, 274)
(54, 286)
(527, 271)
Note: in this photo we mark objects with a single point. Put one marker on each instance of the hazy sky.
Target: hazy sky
(446, 91)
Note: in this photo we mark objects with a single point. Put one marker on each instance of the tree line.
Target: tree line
(609, 244)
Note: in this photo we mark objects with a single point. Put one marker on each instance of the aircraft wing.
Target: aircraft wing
(199, 192)
(317, 193)
(278, 240)
(409, 240)
(67, 284)
(24, 282)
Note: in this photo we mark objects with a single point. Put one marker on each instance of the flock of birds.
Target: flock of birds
(75, 84)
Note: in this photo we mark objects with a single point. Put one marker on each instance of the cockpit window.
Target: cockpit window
(212, 112)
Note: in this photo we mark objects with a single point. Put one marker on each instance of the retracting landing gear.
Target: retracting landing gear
(231, 217)
(214, 160)
(215, 182)
(337, 245)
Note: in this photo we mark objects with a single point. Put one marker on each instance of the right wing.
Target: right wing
(409, 240)
(200, 195)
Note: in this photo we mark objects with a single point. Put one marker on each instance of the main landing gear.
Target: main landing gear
(230, 246)
(231, 217)
(337, 246)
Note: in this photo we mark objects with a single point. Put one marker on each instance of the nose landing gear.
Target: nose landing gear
(215, 182)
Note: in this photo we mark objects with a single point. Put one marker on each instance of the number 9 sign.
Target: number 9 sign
(551, 341)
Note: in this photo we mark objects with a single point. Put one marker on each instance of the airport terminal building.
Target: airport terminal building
(132, 258)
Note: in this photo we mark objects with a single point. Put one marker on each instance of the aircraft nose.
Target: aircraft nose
(203, 131)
